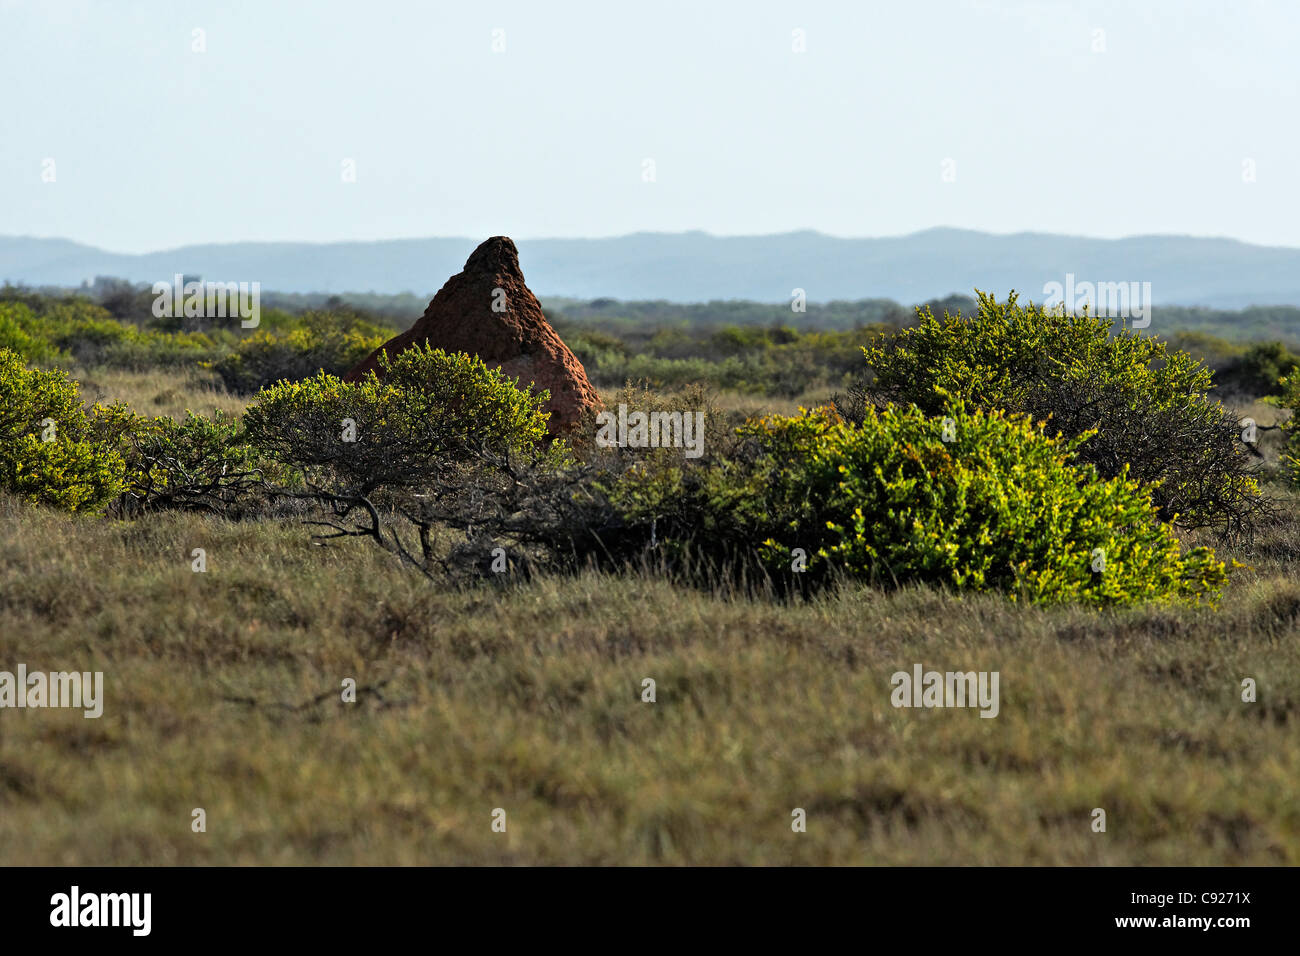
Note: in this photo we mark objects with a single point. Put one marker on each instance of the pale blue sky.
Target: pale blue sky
(155, 145)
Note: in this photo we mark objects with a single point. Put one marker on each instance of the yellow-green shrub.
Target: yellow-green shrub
(51, 449)
(974, 501)
(1290, 398)
(17, 335)
(75, 330)
(323, 342)
(1146, 407)
(430, 411)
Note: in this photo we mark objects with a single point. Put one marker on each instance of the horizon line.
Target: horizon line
(1025, 233)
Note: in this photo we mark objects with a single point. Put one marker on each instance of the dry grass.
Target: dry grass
(160, 392)
(527, 698)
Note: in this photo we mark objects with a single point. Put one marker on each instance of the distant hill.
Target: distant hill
(697, 267)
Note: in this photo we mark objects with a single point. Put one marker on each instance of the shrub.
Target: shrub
(776, 361)
(198, 464)
(1290, 398)
(440, 440)
(17, 335)
(74, 330)
(1146, 406)
(430, 411)
(323, 342)
(51, 448)
(1259, 372)
(974, 501)
(592, 347)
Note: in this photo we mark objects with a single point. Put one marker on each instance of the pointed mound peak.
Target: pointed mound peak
(495, 256)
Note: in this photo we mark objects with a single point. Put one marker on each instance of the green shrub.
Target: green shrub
(1146, 406)
(323, 342)
(974, 501)
(593, 347)
(198, 464)
(775, 361)
(441, 441)
(1259, 372)
(51, 449)
(17, 334)
(77, 331)
(429, 413)
(1290, 399)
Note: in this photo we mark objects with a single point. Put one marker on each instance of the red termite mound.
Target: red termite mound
(488, 311)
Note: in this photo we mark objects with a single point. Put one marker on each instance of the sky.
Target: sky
(141, 126)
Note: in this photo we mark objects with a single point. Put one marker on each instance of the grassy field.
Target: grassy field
(159, 392)
(223, 692)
